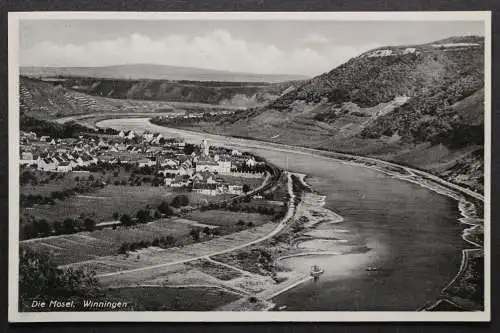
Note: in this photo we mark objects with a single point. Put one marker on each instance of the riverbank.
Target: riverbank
(300, 155)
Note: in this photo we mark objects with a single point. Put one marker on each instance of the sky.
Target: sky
(263, 47)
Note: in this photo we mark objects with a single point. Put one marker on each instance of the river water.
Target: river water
(410, 234)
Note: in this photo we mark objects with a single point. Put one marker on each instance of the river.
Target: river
(409, 233)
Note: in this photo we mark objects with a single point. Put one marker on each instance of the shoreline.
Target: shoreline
(358, 159)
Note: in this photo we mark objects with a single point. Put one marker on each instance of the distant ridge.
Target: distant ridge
(155, 72)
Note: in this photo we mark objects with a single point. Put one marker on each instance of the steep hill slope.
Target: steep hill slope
(155, 72)
(47, 101)
(421, 105)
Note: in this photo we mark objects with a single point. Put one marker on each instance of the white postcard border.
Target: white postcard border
(214, 316)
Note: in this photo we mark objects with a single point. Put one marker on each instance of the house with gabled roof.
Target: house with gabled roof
(207, 164)
(206, 188)
(47, 164)
(180, 181)
(64, 167)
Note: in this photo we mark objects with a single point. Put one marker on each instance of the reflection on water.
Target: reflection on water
(409, 233)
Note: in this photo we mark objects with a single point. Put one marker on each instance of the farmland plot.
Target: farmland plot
(101, 204)
(226, 217)
(66, 249)
(143, 261)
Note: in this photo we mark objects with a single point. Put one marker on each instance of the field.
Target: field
(154, 256)
(101, 204)
(226, 218)
(173, 299)
(252, 182)
(50, 182)
(82, 246)
(216, 270)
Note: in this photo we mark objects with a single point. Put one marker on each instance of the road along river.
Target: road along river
(410, 233)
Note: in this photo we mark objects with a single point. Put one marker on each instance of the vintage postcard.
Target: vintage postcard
(249, 166)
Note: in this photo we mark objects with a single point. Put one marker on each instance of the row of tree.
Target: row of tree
(42, 228)
(238, 207)
(169, 241)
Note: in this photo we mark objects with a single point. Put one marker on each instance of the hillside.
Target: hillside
(421, 105)
(228, 93)
(154, 72)
(47, 101)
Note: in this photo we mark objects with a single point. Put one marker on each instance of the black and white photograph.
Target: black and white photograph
(249, 166)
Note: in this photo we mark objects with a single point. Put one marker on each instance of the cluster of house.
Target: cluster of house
(191, 115)
(55, 155)
(148, 137)
(202, 172)
(199, 171)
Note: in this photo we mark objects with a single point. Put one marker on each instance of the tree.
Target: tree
(29, 231)
(26, 177)
(89, 224)
(207, 231)
(246, 188)
(169, 240)
(116, 215)
(180, 200)
(189, 148)
(126, 220)
(195, 233)
(164, 208)
(40, 279)
(142, 215)
(123, 248)
(42, 227)
(69, 226)
(58, 227)
(240, 223)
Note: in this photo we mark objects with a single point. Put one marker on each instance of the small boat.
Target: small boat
(371, 269)
(316, 271)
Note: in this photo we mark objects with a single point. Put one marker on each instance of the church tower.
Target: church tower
(206, 148)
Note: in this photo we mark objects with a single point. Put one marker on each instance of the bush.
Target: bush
(164, 208)
(58, 227)
(40, 278)
(195, 233)
(69, 226)
(89, 224)
(142, 216)
(126, 220)
(123, 248)
(180, 200)
(42, 227)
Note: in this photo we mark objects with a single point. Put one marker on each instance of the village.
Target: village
(172, 162)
